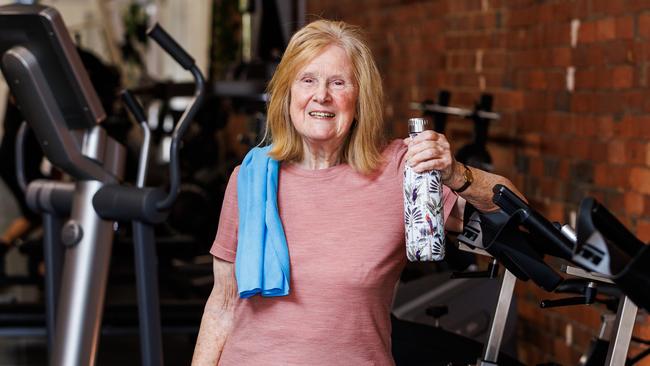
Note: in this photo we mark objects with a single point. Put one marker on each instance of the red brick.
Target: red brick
(640, 179)
(622, 77)
(582, 337)
(598, 150)
(583, 103)
(509, 100)
(494, 59)
(545, 12)
(643, 230)
(462, 6)
(605, 127)
(624, 26)
(605, 29)
(636, 152)
(634, 203)
(563, 172)
(589, 55)
(584, 126)
(644, 25)
(562, 57)
(633, 101)
(587, 32)
(615, 202)
(642, 329)
(616, 152)
(536, 167)
(563, 11)
(561, 353)
(558, 124)
(638, 5)
(616, 176)
(608, 7)
(521, 17)
(585, 79)
(557, 34)
(555, 211)
(603, 78)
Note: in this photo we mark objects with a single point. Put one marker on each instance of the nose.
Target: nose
(322, 94)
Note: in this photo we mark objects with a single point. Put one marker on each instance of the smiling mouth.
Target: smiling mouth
(322, 114)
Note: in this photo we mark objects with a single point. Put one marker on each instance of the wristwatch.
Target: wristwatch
(469, 178)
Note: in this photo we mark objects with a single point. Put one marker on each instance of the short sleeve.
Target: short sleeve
(225, 243)
(449, 199)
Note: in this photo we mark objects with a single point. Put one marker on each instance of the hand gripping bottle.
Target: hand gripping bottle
(423, 209)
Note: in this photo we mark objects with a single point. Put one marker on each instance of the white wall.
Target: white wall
(188, 21)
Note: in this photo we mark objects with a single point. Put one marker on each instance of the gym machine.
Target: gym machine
(53, 91)
(488, 234)
(560, 241)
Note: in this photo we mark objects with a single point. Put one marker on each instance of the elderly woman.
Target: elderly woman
(340, 203)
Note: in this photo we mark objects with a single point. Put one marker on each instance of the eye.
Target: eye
(338, 84)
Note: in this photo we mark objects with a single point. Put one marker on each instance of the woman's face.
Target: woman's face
(324, 98)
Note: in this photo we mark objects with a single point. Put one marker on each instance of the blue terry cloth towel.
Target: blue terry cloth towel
(262, 261)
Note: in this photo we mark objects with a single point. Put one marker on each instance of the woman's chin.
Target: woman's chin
(321, 138)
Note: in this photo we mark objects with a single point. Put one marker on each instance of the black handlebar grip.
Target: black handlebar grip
(171, 46)
(133, 105)
(507, 200)
(511, 204)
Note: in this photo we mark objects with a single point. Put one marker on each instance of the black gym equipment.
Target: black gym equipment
(606, 246)
(588, 250)
(55, 96)
(427, 333)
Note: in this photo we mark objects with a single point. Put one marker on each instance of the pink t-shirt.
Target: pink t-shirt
(345, 234)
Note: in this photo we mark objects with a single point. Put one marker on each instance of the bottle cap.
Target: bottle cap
(417, 125)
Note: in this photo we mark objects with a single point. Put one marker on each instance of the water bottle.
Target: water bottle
(423, 209)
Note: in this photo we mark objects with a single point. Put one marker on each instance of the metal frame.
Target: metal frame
(623, 327)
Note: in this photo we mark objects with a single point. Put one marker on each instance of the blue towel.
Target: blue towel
(262, 261)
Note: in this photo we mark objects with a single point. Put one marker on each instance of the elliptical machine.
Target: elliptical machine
(44, 73)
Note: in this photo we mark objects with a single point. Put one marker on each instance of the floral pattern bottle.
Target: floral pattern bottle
(423, 209)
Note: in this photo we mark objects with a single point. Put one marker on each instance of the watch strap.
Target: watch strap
(467, 175)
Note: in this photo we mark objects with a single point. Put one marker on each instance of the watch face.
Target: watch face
(468, 175)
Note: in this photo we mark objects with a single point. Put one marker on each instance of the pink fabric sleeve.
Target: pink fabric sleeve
(449, 197)
(225, 243)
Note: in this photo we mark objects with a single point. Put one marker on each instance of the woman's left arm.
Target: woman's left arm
(430, 150)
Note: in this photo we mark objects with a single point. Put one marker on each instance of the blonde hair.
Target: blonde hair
(362, 147)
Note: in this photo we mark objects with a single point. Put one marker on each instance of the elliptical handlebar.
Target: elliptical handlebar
(132, 104)
(20, 156)
(136, 110)
(158, 34)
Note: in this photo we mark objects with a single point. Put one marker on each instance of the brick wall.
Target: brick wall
(570, 79)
